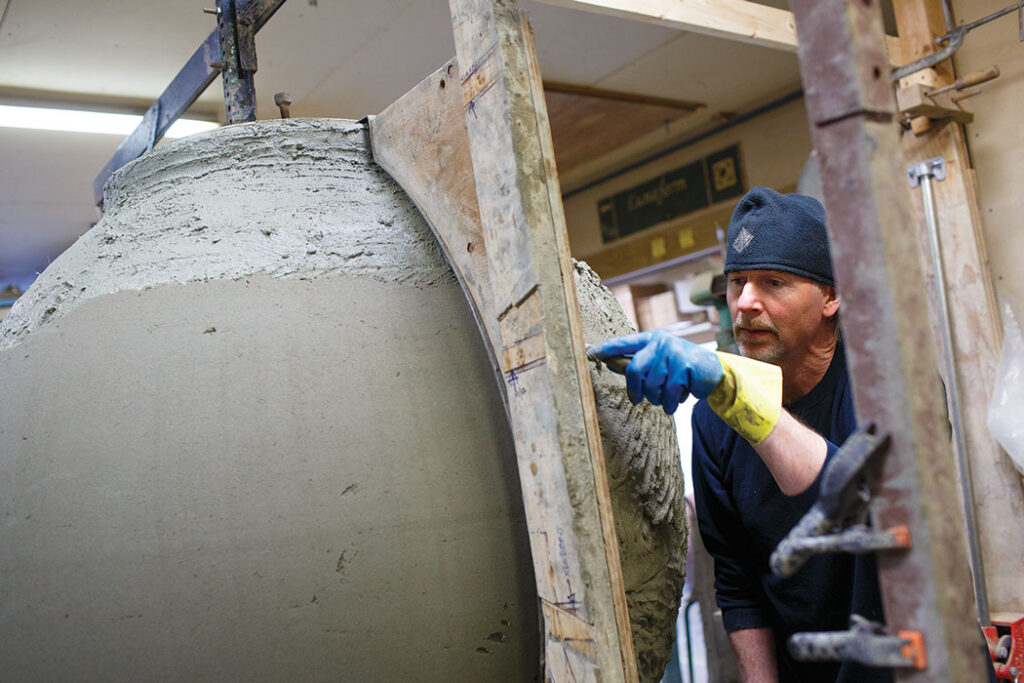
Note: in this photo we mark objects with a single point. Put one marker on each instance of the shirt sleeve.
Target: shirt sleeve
(738, 590)
(806, 498)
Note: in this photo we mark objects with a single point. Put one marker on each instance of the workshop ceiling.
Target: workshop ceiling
(338, 58)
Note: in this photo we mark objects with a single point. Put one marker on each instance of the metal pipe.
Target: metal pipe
(954, 38)
(923, 173)
(947, 15)
(1015, 7)
(689, 647)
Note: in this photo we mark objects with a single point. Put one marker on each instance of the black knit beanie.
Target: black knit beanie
(772, 231)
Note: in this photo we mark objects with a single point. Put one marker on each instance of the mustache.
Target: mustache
(746, 324)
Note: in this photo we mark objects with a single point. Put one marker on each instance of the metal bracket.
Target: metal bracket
(148, 126)
(955, 38)
(867, 642)
(238, 49)
(199, 72)
(837, 520)
(1005, 639)
(931, 168)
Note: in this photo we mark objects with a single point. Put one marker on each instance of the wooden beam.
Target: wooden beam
(550, 398)
(747, 22)
(471, 147)
(918, 22)
(620, 96)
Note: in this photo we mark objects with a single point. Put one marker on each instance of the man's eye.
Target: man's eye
(775, 283)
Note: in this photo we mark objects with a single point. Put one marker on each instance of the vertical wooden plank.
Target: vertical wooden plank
(975, 321)
(550, 401)
(918, 22)
(421, 141)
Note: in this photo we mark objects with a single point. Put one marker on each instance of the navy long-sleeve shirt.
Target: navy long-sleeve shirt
(742, 515)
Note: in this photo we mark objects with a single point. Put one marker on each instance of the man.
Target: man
(756, 463)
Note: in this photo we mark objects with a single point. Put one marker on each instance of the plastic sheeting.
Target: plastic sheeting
(1007, 404)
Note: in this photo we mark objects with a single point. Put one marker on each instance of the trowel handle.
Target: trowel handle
(969, 80)
(977, 77)
(616, 363)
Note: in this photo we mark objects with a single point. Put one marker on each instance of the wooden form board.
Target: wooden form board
(472, 148)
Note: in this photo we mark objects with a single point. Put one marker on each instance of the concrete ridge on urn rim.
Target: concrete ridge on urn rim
(205, 207)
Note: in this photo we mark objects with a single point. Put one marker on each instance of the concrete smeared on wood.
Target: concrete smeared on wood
(647, 488)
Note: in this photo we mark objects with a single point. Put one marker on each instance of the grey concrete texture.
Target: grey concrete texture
(646, 482)
(249, 431)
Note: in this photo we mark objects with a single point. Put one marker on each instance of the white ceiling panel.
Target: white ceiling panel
(583, 47)
(382, 62)
(114, 47)
(728, 76)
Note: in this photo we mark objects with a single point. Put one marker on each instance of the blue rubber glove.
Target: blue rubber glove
(664, 368)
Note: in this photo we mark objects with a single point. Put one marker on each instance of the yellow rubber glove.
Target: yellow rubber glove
(749, 396)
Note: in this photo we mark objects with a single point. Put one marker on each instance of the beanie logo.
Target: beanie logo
(742, 241)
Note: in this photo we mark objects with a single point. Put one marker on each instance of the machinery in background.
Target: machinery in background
(708, 289)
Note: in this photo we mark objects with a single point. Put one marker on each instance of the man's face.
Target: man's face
(778, 316)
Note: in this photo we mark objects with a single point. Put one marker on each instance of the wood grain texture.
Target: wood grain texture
(421, 141)
(478, 161)
(919, 21)
(550, 397)
(585, 126)
(926, 588)
(747, 22)
(977, 340)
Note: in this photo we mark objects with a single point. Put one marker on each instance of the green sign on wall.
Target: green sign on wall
(684, 190)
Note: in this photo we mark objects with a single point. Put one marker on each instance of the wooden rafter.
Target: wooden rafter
(740, 20)
(620, 96)
(748, 22)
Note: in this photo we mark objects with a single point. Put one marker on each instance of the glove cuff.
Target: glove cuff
(749, 396)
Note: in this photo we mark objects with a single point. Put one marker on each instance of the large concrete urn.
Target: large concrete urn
(249, 431)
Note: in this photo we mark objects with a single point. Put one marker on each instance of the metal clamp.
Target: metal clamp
(954, 38)
(929, 168)
(1005, 639)
(867, 642)
(229, 51)
(837, 522)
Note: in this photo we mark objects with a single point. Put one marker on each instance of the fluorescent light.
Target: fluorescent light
(185, 127)
(77, 121)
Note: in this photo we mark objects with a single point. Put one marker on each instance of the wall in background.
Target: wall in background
(996, 139)
(773, 150)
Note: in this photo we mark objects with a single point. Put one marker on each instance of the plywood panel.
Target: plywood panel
(585, 126)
